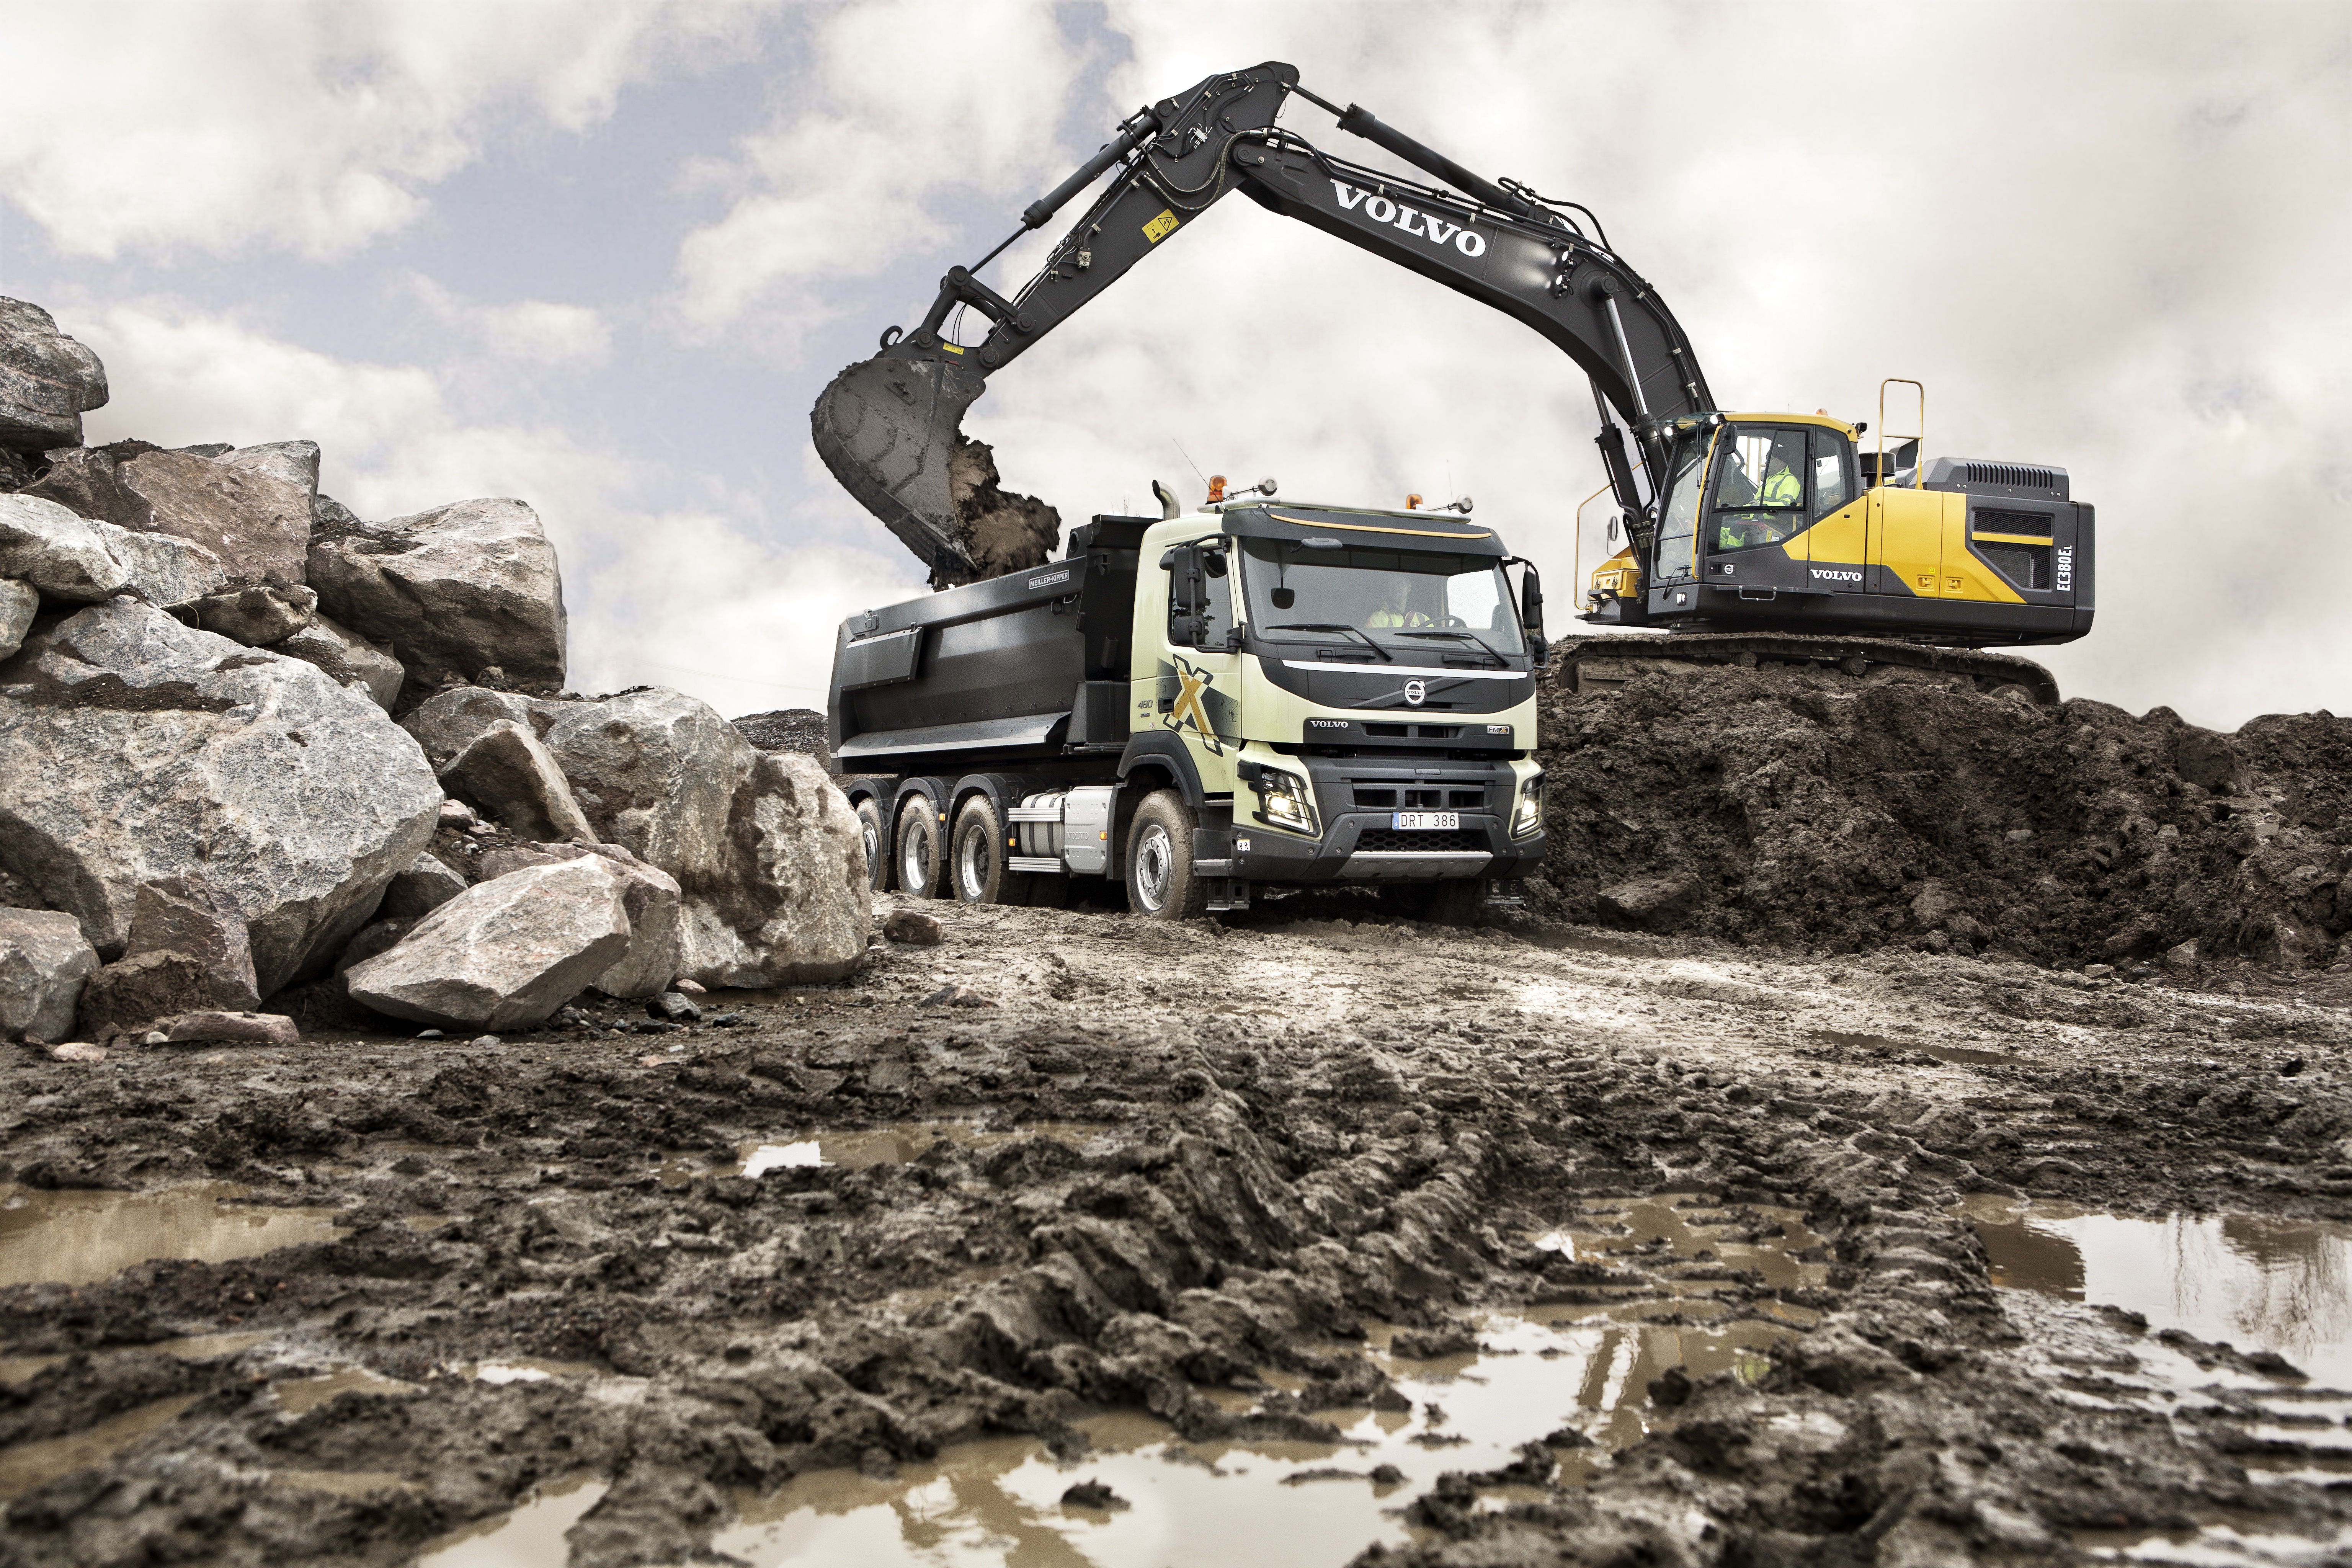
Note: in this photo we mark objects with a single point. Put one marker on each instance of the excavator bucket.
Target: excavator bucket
(886, 427)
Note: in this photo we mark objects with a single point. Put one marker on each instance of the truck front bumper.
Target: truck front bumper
(1361, 845)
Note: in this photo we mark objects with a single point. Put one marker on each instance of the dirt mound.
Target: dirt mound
(1807, 808)
(784, 730)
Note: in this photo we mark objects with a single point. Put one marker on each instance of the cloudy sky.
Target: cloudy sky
(603, 257)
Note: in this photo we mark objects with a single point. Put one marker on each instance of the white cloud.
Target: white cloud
(223, 127)
(536, 331)
(658, 593)
(908, 105)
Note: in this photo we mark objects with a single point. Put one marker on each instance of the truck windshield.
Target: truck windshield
(1403, 599)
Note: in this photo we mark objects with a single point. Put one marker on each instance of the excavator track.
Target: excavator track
(1588, 663)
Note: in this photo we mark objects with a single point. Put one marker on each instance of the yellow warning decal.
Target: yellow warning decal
(951, 348)
(1160, 228)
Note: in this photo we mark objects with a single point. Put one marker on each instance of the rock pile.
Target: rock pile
(261, 758)
(1806, 809)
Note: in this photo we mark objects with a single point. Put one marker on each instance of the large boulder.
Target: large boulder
(294, 462)
(348, 659)
(258, 615)
(47, 381)
(257, 523)
(765, 850)
(512, 777)
(462, 589)
(425, 886)
(19, 603)
(133, 748)
(78, 560)
(506, 952)
(60, 554)
(651, 898)
(44, 960)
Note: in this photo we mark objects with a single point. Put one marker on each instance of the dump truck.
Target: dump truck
(1255, 696)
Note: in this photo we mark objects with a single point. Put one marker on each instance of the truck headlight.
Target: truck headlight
(1527, 818)
(1284, 801)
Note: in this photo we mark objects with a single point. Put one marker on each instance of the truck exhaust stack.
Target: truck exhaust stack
(890, 428)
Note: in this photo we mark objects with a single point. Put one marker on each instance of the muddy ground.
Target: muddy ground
(1187, 1171)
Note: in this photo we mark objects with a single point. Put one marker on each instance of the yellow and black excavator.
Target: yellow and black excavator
(1755, 537)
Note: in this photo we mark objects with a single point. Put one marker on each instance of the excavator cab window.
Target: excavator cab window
(1759, 488)
(1830, 489)
(1678, 525)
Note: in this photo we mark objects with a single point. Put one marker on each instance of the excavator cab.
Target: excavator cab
(1781, 522)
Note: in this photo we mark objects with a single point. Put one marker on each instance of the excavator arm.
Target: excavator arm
(888, 427)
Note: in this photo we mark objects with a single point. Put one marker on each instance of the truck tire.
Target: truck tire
(878, 845)
(1159, 880)
(976, 873)
(918, 860)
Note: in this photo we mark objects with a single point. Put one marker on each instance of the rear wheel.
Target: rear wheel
(1159, 880)
(918, 859)
(976, 863)
(869, 828)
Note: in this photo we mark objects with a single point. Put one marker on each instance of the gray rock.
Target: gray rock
(44, 960)
(348, 659)
(19, 603)
(296, 462)
(791, 901)
(448, 722)
(676, 1006)
(913, 928)
(2182, 960)
(47, 381)
(228, 1028)
(166, 570)
(506, 952)
(326, 513)
(454, 591)
(657, 771)
(508, 773)
(127, 996)
(254, 522)
(189, 915)
(421, 888)
(133, 748)
(88, 482)
(259, 615)
(60, 554)
(651, 898)
(1933, 905)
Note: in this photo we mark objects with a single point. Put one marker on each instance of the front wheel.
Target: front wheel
(919, 848)
(976, 861)
(1159, 880)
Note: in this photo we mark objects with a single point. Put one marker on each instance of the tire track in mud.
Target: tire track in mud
(1247, 1143)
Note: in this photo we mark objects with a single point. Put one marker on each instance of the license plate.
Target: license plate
(1426, 821)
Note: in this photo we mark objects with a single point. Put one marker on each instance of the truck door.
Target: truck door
(1200, 673)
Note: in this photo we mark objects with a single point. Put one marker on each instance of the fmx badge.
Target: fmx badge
(1191, 707)
(1160, 228)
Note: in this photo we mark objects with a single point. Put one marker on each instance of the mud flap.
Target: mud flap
(886, 427)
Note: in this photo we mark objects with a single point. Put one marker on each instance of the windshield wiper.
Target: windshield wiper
(1334, 626)
(1501, 662)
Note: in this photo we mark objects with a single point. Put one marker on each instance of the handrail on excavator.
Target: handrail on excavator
(1919, 468)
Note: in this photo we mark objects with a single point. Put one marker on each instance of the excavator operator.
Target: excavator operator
(1781, 490)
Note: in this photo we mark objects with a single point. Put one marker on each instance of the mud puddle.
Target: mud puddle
(1746, 1245)
(1576, 1375)
(78, 1236)
(524, 1538)
(29, 1465)
(2258, 1284)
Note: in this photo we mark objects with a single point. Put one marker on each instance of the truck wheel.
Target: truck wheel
(1159, 880)
(877, 857)
(976, 873)
(918, 860)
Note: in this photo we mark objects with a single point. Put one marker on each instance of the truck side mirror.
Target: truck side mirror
(1531, 620)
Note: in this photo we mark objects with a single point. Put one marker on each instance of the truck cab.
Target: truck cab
(1289, 694)
(1782, 523)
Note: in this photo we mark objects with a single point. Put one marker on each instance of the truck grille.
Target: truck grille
(1421, 799)
(2027, 566)
(1388, 841)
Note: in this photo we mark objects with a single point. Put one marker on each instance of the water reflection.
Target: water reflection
(78, 1236)
(2257, 1283)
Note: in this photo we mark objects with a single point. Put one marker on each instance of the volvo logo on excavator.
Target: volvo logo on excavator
(1379, 209)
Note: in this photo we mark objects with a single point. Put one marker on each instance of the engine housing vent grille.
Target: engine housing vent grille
(2017, 476)
(2034, 522)
(2026, 565)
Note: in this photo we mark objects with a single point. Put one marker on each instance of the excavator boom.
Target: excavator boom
(887, 426)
